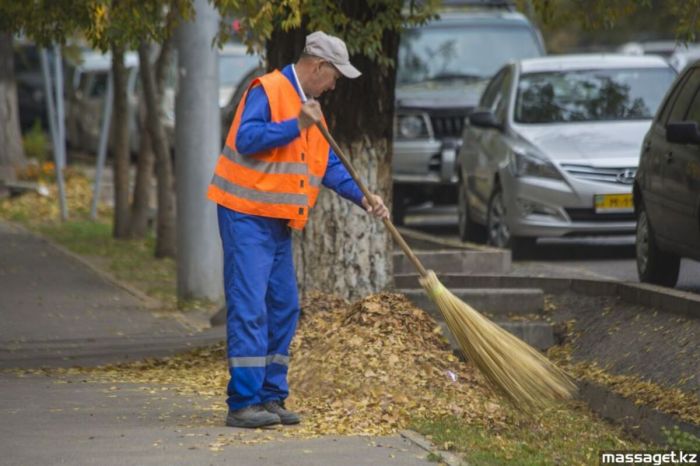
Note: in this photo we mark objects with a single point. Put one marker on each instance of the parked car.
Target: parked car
(553, 148)
(667, 184)
(678, 54)
(662, 48)
(31, 88)
(684, 57)
(235, 67)
(86, 91)
(442, 68)
(236, 71)
(31, 91)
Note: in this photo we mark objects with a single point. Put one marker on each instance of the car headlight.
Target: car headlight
(411, 127)
(527, 164)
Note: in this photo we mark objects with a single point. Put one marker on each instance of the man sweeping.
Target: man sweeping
(267, 178)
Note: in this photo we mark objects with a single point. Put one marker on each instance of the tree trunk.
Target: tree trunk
(165, 229)
(120, 145)
(11, 151)
(284, 47)
(140, 207)
(343, 250)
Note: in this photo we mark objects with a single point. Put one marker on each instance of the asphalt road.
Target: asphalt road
(609, 257)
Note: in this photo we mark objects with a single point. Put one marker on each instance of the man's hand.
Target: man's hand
(309, 114)
(379, 210)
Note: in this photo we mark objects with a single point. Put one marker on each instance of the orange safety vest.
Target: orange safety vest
(282, 182)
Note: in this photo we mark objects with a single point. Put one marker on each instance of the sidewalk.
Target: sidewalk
(58, 312)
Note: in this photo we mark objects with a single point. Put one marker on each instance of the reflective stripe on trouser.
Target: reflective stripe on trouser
(262, 305)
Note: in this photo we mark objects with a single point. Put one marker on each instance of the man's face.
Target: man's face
(322, 79)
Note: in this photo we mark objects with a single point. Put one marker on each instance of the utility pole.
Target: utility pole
(197, 147)
(55, 114)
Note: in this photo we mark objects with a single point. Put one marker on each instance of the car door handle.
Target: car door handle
(669, 157)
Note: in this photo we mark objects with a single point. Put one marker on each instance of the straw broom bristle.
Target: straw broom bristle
(521, 373)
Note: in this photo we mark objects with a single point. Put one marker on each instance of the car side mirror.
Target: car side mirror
(683, 132)
(484, 119)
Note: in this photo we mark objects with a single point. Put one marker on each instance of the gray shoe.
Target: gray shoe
(251, 417)
(277, 407)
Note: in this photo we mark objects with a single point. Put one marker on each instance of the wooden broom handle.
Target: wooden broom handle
(390, 226)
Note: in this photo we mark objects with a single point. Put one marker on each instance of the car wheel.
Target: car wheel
(653, 265)
(468, 230)
(498, 233)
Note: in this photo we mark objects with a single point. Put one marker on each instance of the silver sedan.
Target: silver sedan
(553, 148)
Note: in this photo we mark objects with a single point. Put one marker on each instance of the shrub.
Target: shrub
(35, 143)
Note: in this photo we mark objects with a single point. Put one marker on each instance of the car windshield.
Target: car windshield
(444, 53)
(591, 95)
(232, 68)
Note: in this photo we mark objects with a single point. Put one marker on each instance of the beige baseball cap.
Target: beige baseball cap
(333, 50)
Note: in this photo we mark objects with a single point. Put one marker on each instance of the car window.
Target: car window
(232, 68)
(447, 52)
(99, 84)
(694, 109)
(591, 95)
(682, 102)
(668, 104)
(27, 59)
(491, 92)
(85, 80)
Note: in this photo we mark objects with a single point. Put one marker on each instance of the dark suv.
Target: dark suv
(443, 66)
(667, 184)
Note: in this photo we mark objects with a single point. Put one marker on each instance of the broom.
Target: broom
(519, 372)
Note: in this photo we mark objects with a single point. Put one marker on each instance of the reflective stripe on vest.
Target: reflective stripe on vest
(259, 196)
(282, 182)
(296, 168)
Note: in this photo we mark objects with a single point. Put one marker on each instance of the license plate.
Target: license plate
(613, 203)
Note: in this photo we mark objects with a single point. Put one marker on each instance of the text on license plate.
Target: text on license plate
(611, 203)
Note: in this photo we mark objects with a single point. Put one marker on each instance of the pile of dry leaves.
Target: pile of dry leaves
(368, 368)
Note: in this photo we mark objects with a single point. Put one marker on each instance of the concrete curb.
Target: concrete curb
(496, 301)
(664, 299)
(670, 300)
(641, 420)
(445, 261)
(419, 240)
(417, 439)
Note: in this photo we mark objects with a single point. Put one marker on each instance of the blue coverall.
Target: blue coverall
(259, 279)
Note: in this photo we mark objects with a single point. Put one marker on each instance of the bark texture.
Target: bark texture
(120, 145)
(140, 206)
(165, 227)
(11, 151)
